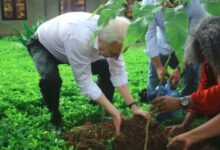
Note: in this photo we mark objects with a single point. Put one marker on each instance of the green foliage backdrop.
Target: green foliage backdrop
(175, 19)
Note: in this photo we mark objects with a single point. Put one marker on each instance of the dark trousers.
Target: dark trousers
(50, 82)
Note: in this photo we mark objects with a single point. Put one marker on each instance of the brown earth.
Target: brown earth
(101, 136)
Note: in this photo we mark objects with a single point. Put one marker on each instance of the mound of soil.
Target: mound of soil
(102, 136)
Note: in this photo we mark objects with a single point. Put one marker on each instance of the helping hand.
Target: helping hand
(141, 112)
(182, 138)
(174, 78)
(165, 104)
(117, 121)
(162, 73)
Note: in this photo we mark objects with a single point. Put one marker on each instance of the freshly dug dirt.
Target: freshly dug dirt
(101, 136)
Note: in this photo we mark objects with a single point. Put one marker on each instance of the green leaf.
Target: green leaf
(136, 9)
(109, 11)
(136, 32)
(213, 7)
(177, 30)
(105, 16)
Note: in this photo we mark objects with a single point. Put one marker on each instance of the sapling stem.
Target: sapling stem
(158, 94)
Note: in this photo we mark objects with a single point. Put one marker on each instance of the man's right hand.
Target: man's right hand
(176, 129)
(116, 115)
(165, 104)
(117, 121)
(186, 140)
(162, 73)
(175, 77)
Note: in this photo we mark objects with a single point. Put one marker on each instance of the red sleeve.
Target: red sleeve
(207, 76)
(207, 98)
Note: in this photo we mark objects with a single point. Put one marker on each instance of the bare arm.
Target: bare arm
(161, 72)
(198, 134)
(126, 95)
(102, 100)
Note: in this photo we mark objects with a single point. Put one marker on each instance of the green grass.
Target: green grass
(24, 120)
(23, 117)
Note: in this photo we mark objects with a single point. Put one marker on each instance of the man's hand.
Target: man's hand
(174, 77)
(176, 129)
(162, 73)
(186, 140)
(117, 121)
(140, 112)
(165, 104)
(116, 115)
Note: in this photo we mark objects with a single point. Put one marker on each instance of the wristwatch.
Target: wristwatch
(184, 102)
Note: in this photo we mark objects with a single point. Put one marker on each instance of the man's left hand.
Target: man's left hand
(165, 104)
(174, 77)
(141, 112)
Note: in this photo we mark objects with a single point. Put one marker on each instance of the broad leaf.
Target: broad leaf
(177, 29)
(213, 7)
(136, 32)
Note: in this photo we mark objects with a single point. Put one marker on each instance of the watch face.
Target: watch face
(184, 101)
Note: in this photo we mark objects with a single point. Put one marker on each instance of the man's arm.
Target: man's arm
(161, 71)
(125, 93)
(102, 100)
(198, 134)
(166, 104)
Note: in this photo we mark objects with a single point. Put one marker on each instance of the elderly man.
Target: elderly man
(203, 47)
(67, 39)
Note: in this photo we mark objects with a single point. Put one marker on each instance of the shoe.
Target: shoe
(143, 95)
(56, 120)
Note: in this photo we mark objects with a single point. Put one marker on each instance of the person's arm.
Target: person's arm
(175, 77)
(120, 80)
(152, 49)
(79, 59)
(161, 71)
(102, 100)
(166, 104)
(205, 131)
(126, 95)
(184, 126)
(205, 99)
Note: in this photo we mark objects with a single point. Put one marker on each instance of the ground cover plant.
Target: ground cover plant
(24, 118)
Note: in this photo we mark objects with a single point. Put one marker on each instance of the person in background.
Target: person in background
(196, 14)
(67, 39)
(202, 47)
(158, 49)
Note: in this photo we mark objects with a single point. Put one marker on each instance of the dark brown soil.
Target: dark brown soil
(101, 136)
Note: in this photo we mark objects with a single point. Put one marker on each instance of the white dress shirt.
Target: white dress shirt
(68, 38)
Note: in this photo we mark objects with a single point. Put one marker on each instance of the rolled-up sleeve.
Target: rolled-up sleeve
(151, 39)
(80, 61)
(118, 72)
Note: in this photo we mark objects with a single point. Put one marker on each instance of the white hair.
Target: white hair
(115, 31)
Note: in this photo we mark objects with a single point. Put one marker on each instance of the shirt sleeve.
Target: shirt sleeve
(80, 61)
(118, 72)
(151, 39)
(207, 100)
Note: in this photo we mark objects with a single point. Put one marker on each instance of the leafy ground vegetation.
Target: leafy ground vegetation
(24, 120)
(23, 117)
